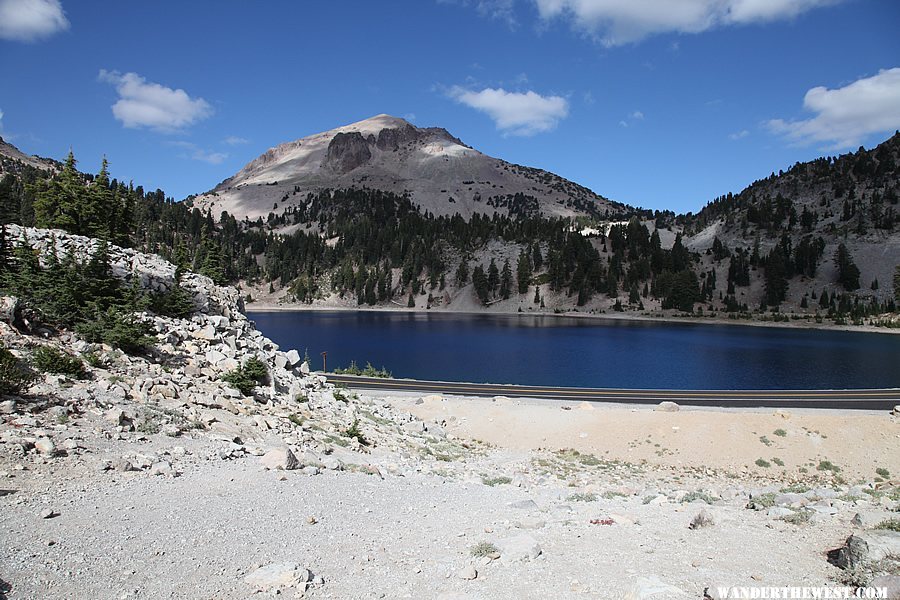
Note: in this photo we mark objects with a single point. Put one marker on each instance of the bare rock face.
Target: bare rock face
(347, 151)
(392, 138)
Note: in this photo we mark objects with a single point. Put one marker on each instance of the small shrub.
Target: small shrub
(798, 517)
(765, 440)
(582, 497)
(50, 360)
(93, 359)
(354, 432)
(295, 419)
(701, 519)
(492, 481)
(827, 465)
(761, 462)
(780, 432)
(698, 495)
(609, 495)
(369, 371)
(248, 376)
(795, 488)
(778, 461)
(883, 473)
(889, 524)
(761, 501)
(339, 395)
(15, 376)
(482, 549)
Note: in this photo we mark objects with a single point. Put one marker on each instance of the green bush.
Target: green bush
(369, 371)
(117, 328)
(50, 360)
(354, 432)
(889, 524)
(248, 376)
(177, 302)
(15, 376)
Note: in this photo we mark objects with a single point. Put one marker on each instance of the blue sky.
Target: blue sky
(656, 103)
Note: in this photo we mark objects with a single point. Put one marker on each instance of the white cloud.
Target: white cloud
(738, 135)
(617, 22)
(29, 20)
(146, 104)
(1, 119)
(637, 115)
(194, 152)
(846, 115)
(233, 140)
(515, 113)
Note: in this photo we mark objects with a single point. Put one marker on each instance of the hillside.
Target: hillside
(439, 173)
(817, 244)
(807, 213)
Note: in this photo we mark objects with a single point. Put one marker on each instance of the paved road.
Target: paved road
(846, 399)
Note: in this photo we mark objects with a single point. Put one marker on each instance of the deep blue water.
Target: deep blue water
(558, 351)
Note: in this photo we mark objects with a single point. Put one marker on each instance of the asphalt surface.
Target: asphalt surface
(877, 399)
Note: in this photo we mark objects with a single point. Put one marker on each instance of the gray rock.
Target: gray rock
(122, 465)
(468, 573)
(293, 357)
(45, 446)
(779, 512)
(7, 407)
(332, 463)
(281, 459)
(870, 518)
(791, 500)
(519, 548)
(869, 546)
(310, 470)
(304, 368)
(49, 513)
(277, 576)
(654, 588)
(162, 467)
(891, 584)
(667, 406)
(528, 504)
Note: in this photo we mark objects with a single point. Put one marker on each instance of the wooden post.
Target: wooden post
(324, 368)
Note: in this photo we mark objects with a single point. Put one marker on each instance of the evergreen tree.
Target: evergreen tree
(537, 294)
(848, 273)
(506, 281)
(493, 277)
(480, 283)
(523, 271)
(776, 279)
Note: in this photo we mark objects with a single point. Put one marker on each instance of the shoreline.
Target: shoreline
(263, 307)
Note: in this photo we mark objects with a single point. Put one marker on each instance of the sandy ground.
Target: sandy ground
(615, 526)
(730, 440)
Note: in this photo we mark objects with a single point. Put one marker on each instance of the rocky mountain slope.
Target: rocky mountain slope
(851, 200)
(439, 172)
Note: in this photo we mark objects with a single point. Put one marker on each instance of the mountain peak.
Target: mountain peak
(441, 174)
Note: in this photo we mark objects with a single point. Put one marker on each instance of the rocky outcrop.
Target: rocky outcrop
(346, 152)
(149, 271)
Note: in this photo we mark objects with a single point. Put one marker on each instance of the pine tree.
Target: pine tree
(506, 281)
(523, 271)
(776, 280)
(493, 277)
(848, 273)
(537, 294)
